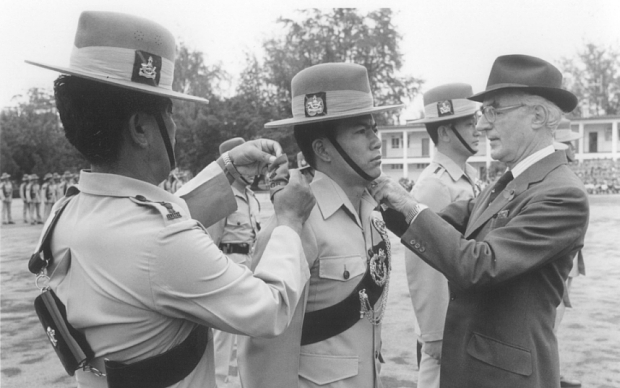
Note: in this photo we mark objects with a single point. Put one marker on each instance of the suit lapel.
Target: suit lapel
(535, 173)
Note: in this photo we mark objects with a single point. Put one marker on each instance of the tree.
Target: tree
(594, 77)
(33, 140)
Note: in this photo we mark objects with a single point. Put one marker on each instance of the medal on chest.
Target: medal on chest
(379, 267)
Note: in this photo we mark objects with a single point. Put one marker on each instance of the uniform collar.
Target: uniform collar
(114, 185)
(330, 198)
(453, 169)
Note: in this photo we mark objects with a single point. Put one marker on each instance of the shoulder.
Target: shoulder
(169, 212)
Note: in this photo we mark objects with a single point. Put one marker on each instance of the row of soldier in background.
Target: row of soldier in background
(38, 198)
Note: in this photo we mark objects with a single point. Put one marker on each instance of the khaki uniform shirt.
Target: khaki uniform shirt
(440, 184)
(48, 192)
(240, 227)
(137, 274)
(6, 191)
(335, 239)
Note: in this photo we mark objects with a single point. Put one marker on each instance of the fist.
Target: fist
(388, 192)
(294, 202)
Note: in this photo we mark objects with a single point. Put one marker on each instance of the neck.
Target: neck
(530, 150)
(121, 169)
(353, 186)
(457, 157)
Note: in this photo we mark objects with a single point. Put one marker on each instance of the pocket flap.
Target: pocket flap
(501, 355)
(323, 369)
(342, 268)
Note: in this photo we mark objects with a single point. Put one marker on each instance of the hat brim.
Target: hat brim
(440, 119)
(564, 99)
(328, 117)
(121, 83)
(559, 146)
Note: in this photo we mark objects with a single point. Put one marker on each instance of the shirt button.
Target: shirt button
(412, 242)
(417, 246)
(140, 198)
(422, 249)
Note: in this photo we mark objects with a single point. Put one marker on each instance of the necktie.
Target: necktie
(500, 185)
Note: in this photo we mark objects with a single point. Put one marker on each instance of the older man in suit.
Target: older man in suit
(508, 252)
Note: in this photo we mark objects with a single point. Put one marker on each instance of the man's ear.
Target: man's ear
(540, 117)
(137, 130)
(318, 146)
(443, 133)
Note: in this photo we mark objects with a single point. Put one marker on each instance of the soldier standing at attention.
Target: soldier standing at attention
(450, 120)
(235, 235)
(6, 194)
(48, 194)
(24, 197)
(334, 339)
(33, 193)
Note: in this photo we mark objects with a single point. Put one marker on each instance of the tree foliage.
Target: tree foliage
(594, 76)
(33, 140)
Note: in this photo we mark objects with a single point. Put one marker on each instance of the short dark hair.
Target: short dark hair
(306, 134)
(93, 114)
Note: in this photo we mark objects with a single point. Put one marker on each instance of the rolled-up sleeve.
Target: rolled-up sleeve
(192, 279)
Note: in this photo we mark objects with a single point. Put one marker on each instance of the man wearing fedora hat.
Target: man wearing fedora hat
(335, 337)
(6, 195)
(450, 120)
(144, 282)
(235, 236)
(506, 253)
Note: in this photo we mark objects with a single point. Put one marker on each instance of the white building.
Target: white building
(408, 149)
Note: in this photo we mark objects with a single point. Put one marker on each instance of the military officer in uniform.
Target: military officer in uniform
(450, 120)
(335, 337)
(139, 275)
(24, 197)
(48, 194)
(64, 184)
(6, 195)
(235, 235)
(33, 194)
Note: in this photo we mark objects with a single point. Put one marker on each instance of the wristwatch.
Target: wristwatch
(413, 213)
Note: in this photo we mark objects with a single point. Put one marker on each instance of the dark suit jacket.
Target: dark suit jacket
(507, 265)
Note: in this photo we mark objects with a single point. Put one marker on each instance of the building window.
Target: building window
(396, 142)
(608, 133)
(421, 166)
(396, 166)
(425, 147)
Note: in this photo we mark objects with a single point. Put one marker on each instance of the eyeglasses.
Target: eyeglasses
(490, 113)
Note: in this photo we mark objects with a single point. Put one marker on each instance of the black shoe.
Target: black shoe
(11, 222)
(566, 383)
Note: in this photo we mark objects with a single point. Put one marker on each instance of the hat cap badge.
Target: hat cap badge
(148, 70)
(444, 108)
(316, 104)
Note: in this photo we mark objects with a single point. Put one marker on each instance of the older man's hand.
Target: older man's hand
(294, 203)
(252, 157)
(388, 192)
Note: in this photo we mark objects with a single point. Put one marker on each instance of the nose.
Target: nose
(375, 142)
(483, 125)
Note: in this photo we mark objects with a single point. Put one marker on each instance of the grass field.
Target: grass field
(589, 336)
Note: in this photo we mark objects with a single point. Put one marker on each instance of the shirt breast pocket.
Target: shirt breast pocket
(237, 219)
(500, 219)
(341, 268)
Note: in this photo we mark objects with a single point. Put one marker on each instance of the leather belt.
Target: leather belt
(243, 248)
(162, 370)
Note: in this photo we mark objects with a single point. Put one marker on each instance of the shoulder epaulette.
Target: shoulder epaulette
(171, 212)
(438, 170)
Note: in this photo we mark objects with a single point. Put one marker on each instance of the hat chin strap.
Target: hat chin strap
(461, 139)
(166, 138)
(332, 137)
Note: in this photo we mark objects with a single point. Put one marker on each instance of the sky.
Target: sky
(442, 41)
